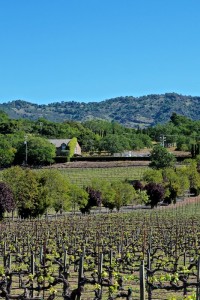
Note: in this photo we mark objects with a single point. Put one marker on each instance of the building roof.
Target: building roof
(59, 142)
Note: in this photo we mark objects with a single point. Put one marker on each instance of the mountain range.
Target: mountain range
(129, 111)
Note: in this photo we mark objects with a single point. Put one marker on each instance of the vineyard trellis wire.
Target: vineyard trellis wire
(143, 255)
(83, 176)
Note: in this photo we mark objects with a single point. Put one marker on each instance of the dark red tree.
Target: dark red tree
(137, 184)
(156, 193)
(95, 199)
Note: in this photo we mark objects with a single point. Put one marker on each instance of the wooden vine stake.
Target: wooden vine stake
(32, 271)
(142, 281)
(65, 261)
(198, 279)
(111, 257)
(148, 274)
(4, 255)
(80, 274)
(41, 255)
(100, 267)
(100, 270)
(9, 262)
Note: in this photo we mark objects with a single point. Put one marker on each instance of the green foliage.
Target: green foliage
(179, 120)
(176, 184)
(3, 116)
(13, 177)
(35, 191)
(152, 175)
(107, 192)
(7, 152)
(7, 202)
(180, 130)
(184, 143)
(25, 186)
(141, 197)
(39, 151)
(114, 143)
(57, 189)
(193, 176)
(124, 194)
(78, 197)
(161, 158)
(72, 145)
(89, 141)
(93, 135)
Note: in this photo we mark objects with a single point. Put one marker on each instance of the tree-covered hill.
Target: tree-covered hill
(130, 111)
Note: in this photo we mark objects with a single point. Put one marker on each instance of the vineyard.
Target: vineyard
(150, 254)
(83, 176)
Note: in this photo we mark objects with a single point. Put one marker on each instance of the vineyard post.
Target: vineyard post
(58, 239)
(142, 281)
(150, 241)
(41, 255)
(5, 248)
(184, 283)
(198, 278)
(148, 259)
(4, 254)
(111, 257)
(44, 254)
(32, 271)
(80, 274)
(32, 264)
(144, 242)
(36, 231)
(65, 260)
(184, 259)
(9, 262)
(100, 269)
(148, 273)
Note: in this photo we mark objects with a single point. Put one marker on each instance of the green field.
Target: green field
(83, 176)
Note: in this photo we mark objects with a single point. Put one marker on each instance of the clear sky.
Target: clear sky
(92, 50)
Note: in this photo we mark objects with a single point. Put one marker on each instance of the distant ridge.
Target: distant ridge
(130, 111)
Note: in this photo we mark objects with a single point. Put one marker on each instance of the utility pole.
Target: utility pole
(26, 149)
(163, 139)
(41, 124)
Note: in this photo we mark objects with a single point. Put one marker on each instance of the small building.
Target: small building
(132, 153)
(62, 146)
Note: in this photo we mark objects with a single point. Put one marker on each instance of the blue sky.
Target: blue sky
(92, 50)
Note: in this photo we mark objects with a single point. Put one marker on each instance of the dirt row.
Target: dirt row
(99, 164)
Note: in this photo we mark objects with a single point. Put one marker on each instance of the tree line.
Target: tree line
(165, 180)
(33, 192)
(94, 136)
(180, 130)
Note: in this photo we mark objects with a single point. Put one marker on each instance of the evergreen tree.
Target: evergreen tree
(161, 158)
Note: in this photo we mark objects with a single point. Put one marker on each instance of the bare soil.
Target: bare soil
(113, 164)
(100, 164)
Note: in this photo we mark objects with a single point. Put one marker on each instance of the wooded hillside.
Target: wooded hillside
(129, 111)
